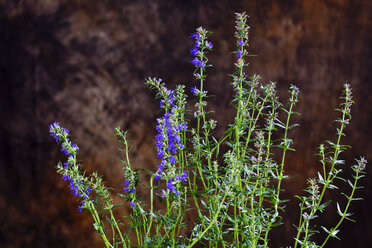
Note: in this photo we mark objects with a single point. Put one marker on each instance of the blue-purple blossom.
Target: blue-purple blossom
(199, 43)
(157, 177)
(196, 35)
(52, 130)
(194, 51)
(161, 165)
(194, 90)
(197, 62)
(170, 186)
(77, 187)
(75, 147)
(239, 54)
(172, 160)
(132, 204)
(184, 176)
(171, 99)
(64, 150)
(126, 182)
(168, 140)
(241, 42)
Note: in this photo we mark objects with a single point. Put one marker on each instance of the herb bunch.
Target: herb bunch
(232, 183)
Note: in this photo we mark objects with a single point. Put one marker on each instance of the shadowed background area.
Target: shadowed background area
(83, 63)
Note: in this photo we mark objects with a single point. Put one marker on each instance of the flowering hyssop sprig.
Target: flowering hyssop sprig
(170, 129)
(200, 48)
(71, 170)
(232, 183)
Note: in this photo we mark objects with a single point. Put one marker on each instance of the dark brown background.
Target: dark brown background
(83, 63)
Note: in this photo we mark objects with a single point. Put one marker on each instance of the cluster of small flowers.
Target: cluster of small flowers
(168, 141)
(195, 91)
(313, 189)
(361, 166)
(171, 183)
(76, 183)
(241, 34)
(294, 90)
(201, 43)
(78, 189)
(129, 184)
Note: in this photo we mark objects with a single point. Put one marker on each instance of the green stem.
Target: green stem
(213, 220)
(346, 208)
(329, 178)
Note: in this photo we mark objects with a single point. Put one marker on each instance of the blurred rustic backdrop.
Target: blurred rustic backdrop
(83, 63)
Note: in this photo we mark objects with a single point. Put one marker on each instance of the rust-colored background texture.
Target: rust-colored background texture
(83, 63)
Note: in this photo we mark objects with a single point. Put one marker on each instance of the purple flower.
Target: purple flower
(194, 51)
(132, 204)
(75, 147)
(184, 127)
(239, 54)
(65, 131)
(184, 176)
(77, 187)
(53, 131)
(196, 35)
(194, 90)
(241, 42)
(201, 63)
(157, 177)
(171, 99)
(132, 191)
(161, 166)
(170, 186)
(210, 45)
(54, 125)
(197, 62)
(172, 160)
(160, 153)
(127, 185)
(173, 148)
(64, 150)
(253, 159)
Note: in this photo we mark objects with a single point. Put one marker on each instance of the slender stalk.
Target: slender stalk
(328, 180)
